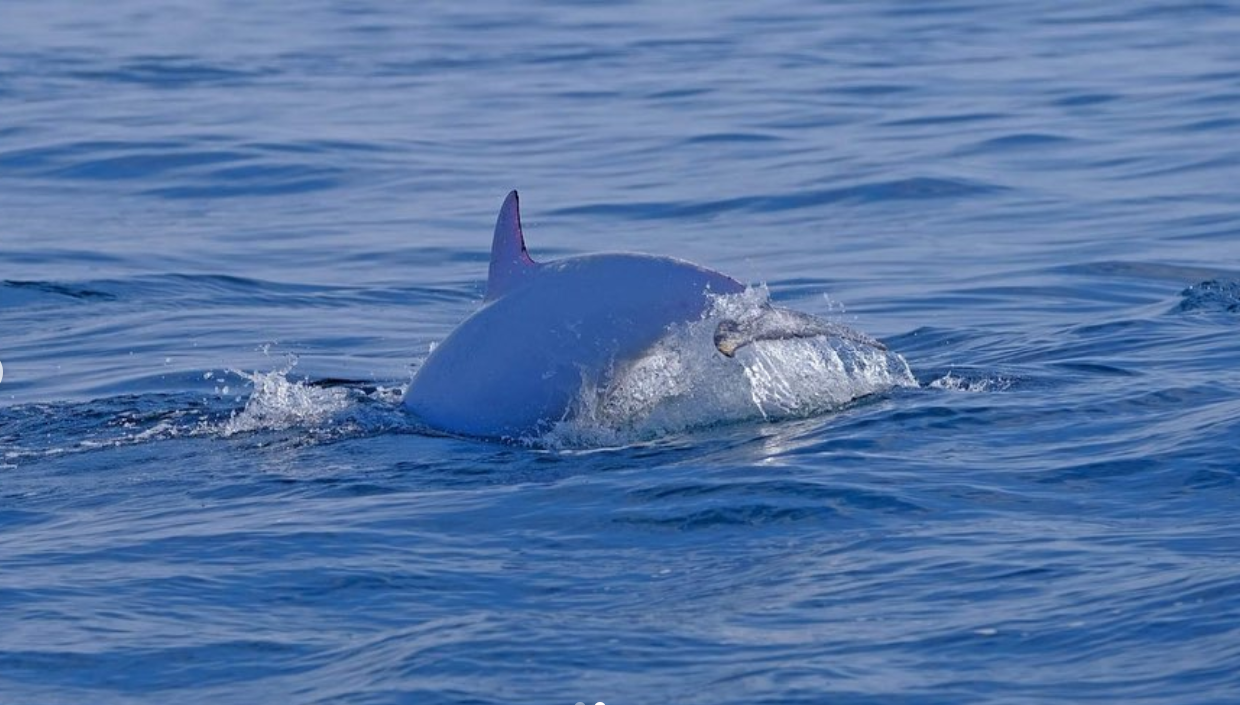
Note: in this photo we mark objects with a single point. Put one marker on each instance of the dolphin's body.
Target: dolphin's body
(515, 367)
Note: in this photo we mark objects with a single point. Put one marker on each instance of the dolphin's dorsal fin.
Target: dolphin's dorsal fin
(510, 263)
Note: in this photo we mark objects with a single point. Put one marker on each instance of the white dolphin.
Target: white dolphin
(515, 367)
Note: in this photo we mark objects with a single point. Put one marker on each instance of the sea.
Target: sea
(230, 233)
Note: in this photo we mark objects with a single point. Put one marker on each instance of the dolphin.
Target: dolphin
(515, 367)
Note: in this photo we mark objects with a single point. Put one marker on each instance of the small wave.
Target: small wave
(255, 180)
(172, 72)
(715, 138)
(1022, 141)
(26, 293)
(37, 432)
(193, 167)
(1212, 295)
(914, 188)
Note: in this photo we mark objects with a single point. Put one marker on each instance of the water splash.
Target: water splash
(683, 382)
(299, 411)
(280, 403)
(952, 382)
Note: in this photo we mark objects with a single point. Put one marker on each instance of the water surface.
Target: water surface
(208, 209)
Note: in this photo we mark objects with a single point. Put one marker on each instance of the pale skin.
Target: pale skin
(514, 367)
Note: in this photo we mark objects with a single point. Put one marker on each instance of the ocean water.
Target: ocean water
(229, 233)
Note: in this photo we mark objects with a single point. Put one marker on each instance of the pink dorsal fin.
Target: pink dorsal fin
(509, 260)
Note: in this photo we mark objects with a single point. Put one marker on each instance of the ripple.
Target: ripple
(937, 120)
(142, 670)
(170, 72)
(840, 497)
(268, 180)
(189, 168)
(72, 291)
(141, 166)
(1025, 141)
(731, 138)
(1213, 295)
(1085, 99)
(916, 188)
(741, 515)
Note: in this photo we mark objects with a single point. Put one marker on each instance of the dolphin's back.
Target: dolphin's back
(516, 365)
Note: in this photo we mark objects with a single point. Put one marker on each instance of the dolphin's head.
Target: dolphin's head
(728, 337)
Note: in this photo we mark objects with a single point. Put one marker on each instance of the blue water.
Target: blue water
(230, 231)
